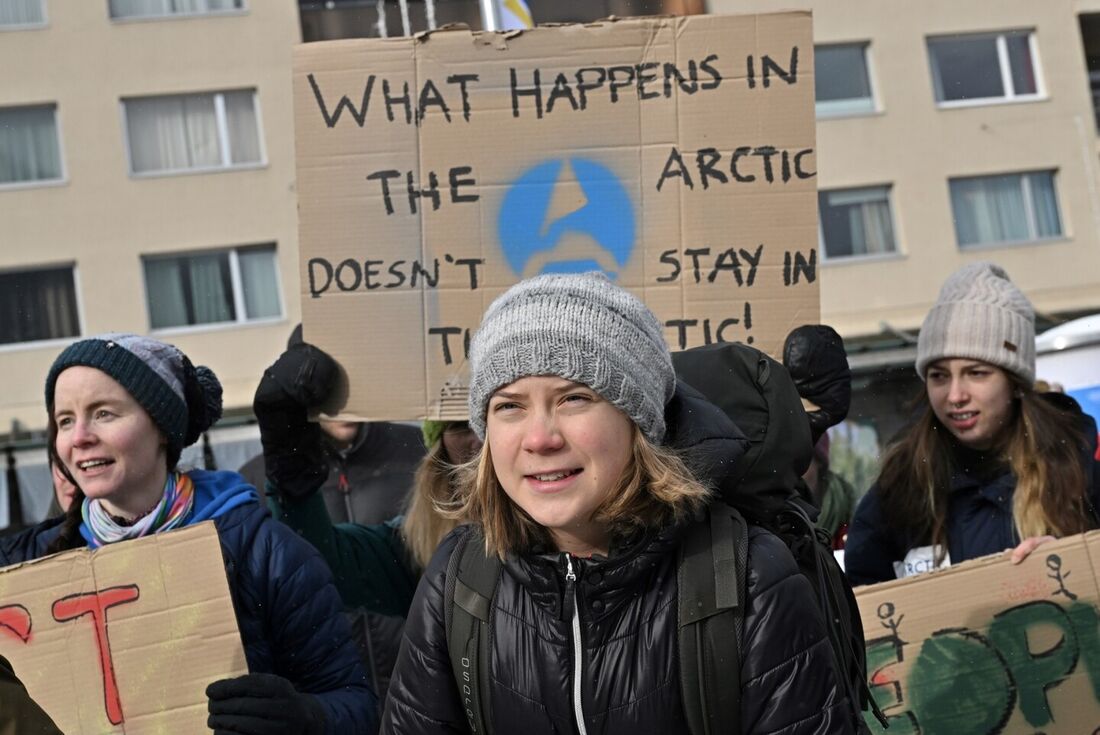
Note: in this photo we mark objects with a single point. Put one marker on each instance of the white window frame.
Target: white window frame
(78, 295)
(223, 137)
(833, 109)
(61, 180)
(29, 26)
(897, 252)
(1029, 211)
(243, 10)
(237, 284)
(1010, 96)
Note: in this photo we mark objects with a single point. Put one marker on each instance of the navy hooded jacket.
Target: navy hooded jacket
(979, 519)
(288, 610)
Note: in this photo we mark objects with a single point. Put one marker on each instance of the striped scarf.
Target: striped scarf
(174, 506)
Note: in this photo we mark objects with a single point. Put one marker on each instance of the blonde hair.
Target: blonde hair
(1051, 486)
(655, 489)
(423, 526)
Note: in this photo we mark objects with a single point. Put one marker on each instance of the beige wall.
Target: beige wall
(103, 219)
(916, 147)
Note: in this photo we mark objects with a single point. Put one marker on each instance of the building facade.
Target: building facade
(947, 133)
(146, 184)
(951, 132)
(147, 170)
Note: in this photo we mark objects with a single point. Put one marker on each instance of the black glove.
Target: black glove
(814, 355)
(262, 704)
(294, 456)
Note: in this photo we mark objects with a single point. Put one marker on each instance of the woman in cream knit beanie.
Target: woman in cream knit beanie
(989, 464)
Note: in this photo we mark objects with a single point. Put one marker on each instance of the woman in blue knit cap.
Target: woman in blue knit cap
(121, 410)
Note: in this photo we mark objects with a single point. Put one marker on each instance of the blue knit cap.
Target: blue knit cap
(182, 400)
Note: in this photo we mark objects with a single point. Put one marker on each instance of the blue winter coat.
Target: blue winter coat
(288, 610)
(979, 521)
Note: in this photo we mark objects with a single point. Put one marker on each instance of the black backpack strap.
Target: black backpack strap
(811, 549)
(712, 578)
(471, 582)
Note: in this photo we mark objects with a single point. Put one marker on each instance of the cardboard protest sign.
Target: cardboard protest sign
(124, 639)
(987, 647)
(676, 154)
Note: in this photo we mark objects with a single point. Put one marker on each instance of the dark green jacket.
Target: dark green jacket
(371, 565)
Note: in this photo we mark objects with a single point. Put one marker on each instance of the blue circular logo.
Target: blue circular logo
(566, 216)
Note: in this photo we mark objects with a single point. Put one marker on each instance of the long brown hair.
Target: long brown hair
(1043, 448)
(655, 489)
(423, 526)
(70, 537)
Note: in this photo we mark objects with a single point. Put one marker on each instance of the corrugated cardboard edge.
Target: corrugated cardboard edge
(972, 565)
(428, 407)
(499, 38)
(159, 538)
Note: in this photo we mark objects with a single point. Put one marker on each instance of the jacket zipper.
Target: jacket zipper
(571, 592)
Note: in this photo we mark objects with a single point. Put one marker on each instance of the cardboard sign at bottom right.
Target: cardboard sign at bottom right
(988, 647)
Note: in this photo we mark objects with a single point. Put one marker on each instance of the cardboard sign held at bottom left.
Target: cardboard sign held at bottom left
(124, 639)
(989, 648)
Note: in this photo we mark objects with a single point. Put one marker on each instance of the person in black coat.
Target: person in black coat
(365, 469)
(989, 464)
(575, 492)
(363, 472)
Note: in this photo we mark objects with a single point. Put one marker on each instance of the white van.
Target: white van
(1069, 355)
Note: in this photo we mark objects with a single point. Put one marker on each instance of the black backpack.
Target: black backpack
(763, 487)
(766, 486)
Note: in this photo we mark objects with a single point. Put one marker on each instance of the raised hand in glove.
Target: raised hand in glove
(262, 704)
(815, 357)
(294, 457)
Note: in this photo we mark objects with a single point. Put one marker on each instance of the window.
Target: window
(162, 8)
(212, 287)
(29, 149)
(38, 304)
(842, 85)
(16, 13)
(1000, 66)
(856, 222)
(1090, 39)
(191, 132)
(1008, 208)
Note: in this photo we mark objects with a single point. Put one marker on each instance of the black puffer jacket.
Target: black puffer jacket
(629, 680)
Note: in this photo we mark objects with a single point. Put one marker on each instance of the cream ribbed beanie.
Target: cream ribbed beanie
(981, 315)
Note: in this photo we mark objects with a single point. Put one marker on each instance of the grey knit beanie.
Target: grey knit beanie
(182, 400)
(981, 315)
(578, 327)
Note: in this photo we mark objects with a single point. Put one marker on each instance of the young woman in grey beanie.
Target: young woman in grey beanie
(989, 464)
(578, 494)
(121, 408)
